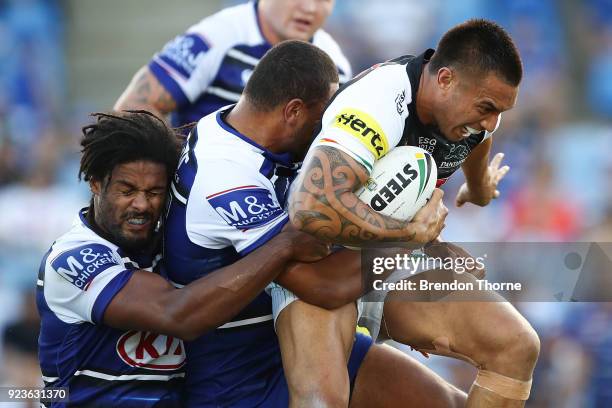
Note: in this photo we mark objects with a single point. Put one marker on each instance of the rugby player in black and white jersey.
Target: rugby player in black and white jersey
(449, 102)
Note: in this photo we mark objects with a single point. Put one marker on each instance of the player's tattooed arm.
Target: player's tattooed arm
(323, 203)
(147, 93)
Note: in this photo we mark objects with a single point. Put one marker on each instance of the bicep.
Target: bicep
(330, 170)
(146, 92)
(140, 304)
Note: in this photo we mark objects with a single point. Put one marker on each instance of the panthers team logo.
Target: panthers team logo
(457, 153)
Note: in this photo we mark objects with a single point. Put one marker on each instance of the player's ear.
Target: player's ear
(445, 78)
(95, 186)
(294, 111)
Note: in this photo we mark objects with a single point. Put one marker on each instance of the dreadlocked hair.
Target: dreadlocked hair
(121, 137)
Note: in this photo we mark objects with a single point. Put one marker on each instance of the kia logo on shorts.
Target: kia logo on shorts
(150, 350)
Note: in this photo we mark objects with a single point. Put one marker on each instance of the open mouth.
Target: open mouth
(303, 25)
(466, 131)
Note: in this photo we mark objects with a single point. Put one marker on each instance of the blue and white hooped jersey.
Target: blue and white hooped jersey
(101, 366)
(228, 199)
(208, 66)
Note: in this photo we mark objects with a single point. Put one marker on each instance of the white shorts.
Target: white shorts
(369, 312)
(372, 305)
(282, 297)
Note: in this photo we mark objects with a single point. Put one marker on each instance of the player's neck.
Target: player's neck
(260, 127)
(424, 100)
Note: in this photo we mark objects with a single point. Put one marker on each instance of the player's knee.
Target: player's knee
(526, 347)
(515, 351)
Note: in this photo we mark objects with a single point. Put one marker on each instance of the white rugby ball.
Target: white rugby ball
(401, 182)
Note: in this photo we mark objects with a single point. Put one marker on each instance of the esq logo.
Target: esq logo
(150, 350)
(365, 128)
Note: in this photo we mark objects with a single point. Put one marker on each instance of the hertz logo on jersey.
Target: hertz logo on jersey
(365, 129)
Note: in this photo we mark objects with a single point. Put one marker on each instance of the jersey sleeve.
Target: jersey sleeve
(366, 119)
(81, 281)
(188, 64)
(238, 209)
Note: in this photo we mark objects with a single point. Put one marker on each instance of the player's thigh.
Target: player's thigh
(389, 378)
(475, 329)
(315, 341)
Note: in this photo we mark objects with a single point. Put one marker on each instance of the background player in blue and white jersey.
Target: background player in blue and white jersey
(448, 102)
(228, 199)
(111, 327)
(208, 66)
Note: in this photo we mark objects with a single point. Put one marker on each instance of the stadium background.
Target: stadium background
(60, 60)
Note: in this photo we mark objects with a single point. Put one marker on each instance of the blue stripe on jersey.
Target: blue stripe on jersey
(94, 392)
(205, 104)
(257, 51)
(190, 261)
(265, 237)
(228, 367)
(170, 84)
(107, 294)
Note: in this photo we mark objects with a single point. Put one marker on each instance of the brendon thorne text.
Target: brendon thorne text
(425, 285)
(417, 272)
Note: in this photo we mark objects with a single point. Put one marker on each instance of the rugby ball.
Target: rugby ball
(401, 182)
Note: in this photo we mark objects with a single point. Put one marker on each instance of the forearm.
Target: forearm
(341, 217)
(329, 283)
(480, 193)
(478, 176)
(213, 300)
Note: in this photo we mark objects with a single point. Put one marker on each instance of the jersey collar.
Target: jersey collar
(284, 159)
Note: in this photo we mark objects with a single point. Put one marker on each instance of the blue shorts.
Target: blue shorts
(275, 393)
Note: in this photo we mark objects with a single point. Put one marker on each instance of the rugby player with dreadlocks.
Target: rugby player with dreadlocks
(112, 326)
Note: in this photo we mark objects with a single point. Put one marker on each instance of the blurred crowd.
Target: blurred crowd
(557, 142)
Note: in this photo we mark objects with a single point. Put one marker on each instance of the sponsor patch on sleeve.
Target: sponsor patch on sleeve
(182, 54)
(81, 265)
(364, 128)
(246, 206)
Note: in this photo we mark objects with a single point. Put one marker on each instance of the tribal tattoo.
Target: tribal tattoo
(324, 204)
(145, 92)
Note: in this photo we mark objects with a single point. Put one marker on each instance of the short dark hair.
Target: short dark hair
(291, 69)
(121, 137)
(479, 46)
